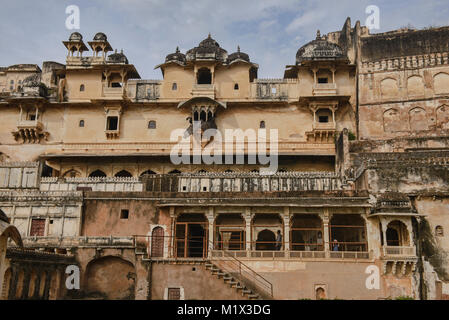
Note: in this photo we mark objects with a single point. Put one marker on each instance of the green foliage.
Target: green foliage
(404, 298)
(351, 136)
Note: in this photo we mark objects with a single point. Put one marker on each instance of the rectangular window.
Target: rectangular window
(323, 80)
(174, 294)
(323, 119)
(37, 227)
(124, 214)
(112, 123)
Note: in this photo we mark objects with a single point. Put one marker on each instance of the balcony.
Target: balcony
(30, 131)
(203, 90)
(400, 252)
(325, 89)
(113, 93)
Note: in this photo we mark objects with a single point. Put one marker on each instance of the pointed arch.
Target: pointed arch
(97, 174)
(418, 119)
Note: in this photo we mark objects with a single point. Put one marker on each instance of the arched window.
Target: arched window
(262, 124)
(72, 174)
(123, 174)
(82, 87)
(397, 234)
(157, 242)
(174, 86)
(439, 231)
(97, 174)
(204, 76)
(151, 124)
(236, 86)
(320, 294)
(148, 172)
(81, 124)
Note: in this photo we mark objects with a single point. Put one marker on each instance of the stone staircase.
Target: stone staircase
(233, 282)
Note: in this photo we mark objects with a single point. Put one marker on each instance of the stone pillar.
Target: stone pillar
(3, 244)
(286, 219)
(210, 215)
(172, 232)
(248, 218)
(26, 283)
(14, 278)
(326, 235)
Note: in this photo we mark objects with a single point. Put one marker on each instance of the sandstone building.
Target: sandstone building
(363, 172)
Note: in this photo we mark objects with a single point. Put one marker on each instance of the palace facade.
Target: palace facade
(358, 207)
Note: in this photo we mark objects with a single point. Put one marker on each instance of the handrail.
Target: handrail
(255, 279)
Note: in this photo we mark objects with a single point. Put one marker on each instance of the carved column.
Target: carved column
(26, 282)
(286, 219)
(210, 243)
(14, 279)
(326, 219)
(248, 218)
(172, 231)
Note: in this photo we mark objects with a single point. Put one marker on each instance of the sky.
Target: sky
(270, 31)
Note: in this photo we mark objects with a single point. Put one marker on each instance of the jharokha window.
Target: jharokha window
(37, 227)
(112, 123)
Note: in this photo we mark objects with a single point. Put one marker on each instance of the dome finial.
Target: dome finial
(318, 34)
(177, 49)
(209, 36)
(121, 51)
(238, 48)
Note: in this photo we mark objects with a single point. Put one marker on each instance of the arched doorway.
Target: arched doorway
(320, 293)
(6, 284)
(123, 174)
(229, 232)
(306, 232)
(100, 273)
(97, 174)
(191, 236)
(397, 234)
(266, 240)
(265, 227)
(157, 242)
(347, 232)
(204, 76)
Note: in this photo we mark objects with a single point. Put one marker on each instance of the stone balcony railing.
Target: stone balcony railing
(272, 89)
(243, 182)
(399, 252)
(82, 241)
(324, 126)
(324, 89)
(92, 184)
(30, 131)
(203, 90)
(113, 93)
(297, 255)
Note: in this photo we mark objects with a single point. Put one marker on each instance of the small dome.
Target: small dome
(117, 57)
(76, 36)
(100, 36)
(207, 49)
(177, 56)
(238, 55)
(319, 49)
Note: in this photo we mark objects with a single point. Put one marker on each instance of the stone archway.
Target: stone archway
(111, 278)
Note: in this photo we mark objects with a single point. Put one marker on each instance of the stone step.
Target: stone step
(253, 296)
